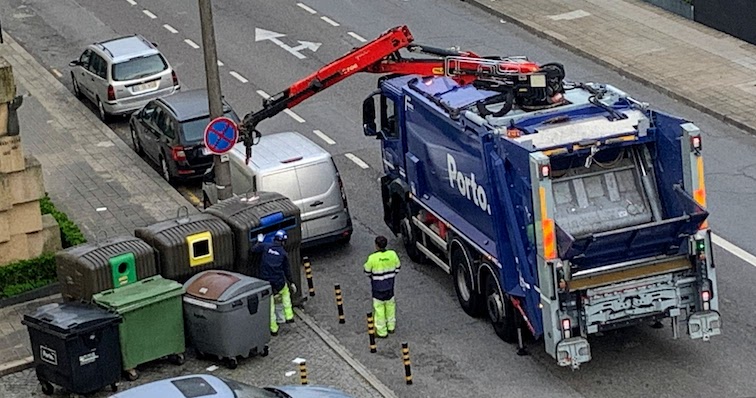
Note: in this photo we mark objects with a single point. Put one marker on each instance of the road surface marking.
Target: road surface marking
(356, 160)
(308, 9)
(294, 115)
(569, 15)
(263, 94)
(189, 195)
(56, 72)
(191, 43)
(149, 14)
(132, 2)
(324, 137)
(274, 37)
(170, 28)
(220, 63)
(101, 209)
(356, 36)
(329, 21)
(238, 77)
(735, 250)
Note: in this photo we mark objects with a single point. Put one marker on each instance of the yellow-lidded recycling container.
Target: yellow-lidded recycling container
(153, 321)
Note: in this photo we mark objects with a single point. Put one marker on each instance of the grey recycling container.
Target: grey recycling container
(262, 213)
(90, 268)
(190, 244)
(227, 315)
(75, 346)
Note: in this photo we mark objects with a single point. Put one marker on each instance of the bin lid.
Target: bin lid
(221, 286)
(69, 318)
(139, 294)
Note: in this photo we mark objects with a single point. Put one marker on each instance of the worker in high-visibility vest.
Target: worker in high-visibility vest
(274, 268)
(382, 267)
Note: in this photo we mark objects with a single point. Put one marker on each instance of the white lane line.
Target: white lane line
(132, 2)
(170, 28)
(238, 77)
(220, 63)
(263, 94)
(736, 251)
(329, 21)
(356, 160)
(294, 115)
(56, 72)
(356, 36)
(191, 43)
(324, 137)
(149, 14)
(308, 9)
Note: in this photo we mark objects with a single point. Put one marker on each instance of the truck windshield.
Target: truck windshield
(137, 68)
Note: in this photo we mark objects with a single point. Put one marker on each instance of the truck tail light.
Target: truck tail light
(545, 171)
(111, 93)
(695, 143)
(175, 78)
(178, 154)
(567, 328)
(706, 299)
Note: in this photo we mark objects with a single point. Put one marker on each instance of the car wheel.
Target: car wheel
(165, 169)
(76, 88)
(101, 111)
(135, 140)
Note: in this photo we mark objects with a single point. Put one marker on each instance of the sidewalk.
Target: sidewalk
(704, 68)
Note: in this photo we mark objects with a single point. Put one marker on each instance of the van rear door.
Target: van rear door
(285, 182)
(323, 212)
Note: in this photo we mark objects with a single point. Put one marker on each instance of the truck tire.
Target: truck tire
(462, 272)
(500, 310)
(409, 237)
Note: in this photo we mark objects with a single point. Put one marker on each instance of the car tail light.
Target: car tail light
(111, 93)
(178, 154)
(174, 76)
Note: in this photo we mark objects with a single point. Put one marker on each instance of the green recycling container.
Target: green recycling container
(153, 320)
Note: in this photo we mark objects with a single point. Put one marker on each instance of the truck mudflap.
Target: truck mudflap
(703, 325)
(573, 351)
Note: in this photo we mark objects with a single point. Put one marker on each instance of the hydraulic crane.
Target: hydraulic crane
(382, 56)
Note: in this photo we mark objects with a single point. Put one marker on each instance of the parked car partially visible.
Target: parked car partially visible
(170, 131)
(200, 385)
(121, 75)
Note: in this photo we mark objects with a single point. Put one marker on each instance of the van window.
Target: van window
(284, 182)
(316, 179)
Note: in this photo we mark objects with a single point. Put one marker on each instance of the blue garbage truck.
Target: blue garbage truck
(557, 219)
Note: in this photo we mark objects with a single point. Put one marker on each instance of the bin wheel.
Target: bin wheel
(178, 359)
(232, 363)
(201, 355)
(114, 387)
(266, 351)
(132, 374)
(47, 388)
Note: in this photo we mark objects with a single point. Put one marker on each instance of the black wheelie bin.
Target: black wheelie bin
(75, 346)
(227, 315)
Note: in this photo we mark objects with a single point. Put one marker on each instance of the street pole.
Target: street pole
(220, 162)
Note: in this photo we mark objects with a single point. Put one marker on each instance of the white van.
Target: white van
(294, 166)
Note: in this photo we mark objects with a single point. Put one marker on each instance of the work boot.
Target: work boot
(392, 331)
(290, 321)
(274, 334)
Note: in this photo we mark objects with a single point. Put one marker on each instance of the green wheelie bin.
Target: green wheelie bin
(153, 321)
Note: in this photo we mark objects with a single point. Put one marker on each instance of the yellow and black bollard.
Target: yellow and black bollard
(340, 303)
(303, 373)
(371, 332)
(406, 359)
(308, 275)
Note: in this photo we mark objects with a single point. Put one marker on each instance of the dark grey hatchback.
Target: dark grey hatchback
(170, 131)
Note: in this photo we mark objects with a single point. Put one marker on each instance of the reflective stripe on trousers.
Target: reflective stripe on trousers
(385, 316)
(285, 297)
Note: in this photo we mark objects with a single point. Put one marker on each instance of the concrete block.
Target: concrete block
(3, 118)
(6, 195)
(50, 234)
(17, 248)
(4, 226)
(7, 82)
(25, 218)
(28, 184)
(11, 154)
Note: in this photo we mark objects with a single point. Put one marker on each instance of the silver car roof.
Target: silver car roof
(125, 48)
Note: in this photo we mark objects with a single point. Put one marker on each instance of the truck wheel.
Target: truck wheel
(410, 238)
(500, 311)
(461, 269)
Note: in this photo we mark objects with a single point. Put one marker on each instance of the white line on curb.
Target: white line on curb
(735, 250)
(191, 43)
(220, 63)
(308, 9)
(324, 137)
(294, 115)
(170, 28)
(132, 2)
(356, 160)
(149, 14)
(329, 21)
(238, 77)
(56, 72)
(356, 36)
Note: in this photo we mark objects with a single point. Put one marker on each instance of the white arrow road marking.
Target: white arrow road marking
(191, 43)
(170, 28)
(308, 9)
(262, 34)
(356, 160)
(329, 21)
(149, 14)
(238, 77)
(324, 137)
(286, 111)
(356, 36)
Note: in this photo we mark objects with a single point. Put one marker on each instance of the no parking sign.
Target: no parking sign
(221, 135)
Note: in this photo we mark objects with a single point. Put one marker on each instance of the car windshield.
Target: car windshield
(194, 130)
(139, 67)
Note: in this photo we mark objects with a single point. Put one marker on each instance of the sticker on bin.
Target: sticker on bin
(48, 355)
(88, 358)
(200, 303)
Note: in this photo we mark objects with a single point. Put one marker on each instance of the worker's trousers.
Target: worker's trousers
(283, 297)
(384, 310)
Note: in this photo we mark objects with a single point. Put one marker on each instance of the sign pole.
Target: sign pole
(221, 167)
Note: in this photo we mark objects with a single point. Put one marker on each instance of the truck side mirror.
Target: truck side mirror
(369, 127)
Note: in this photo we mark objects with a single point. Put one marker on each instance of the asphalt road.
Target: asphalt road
(453, 355)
